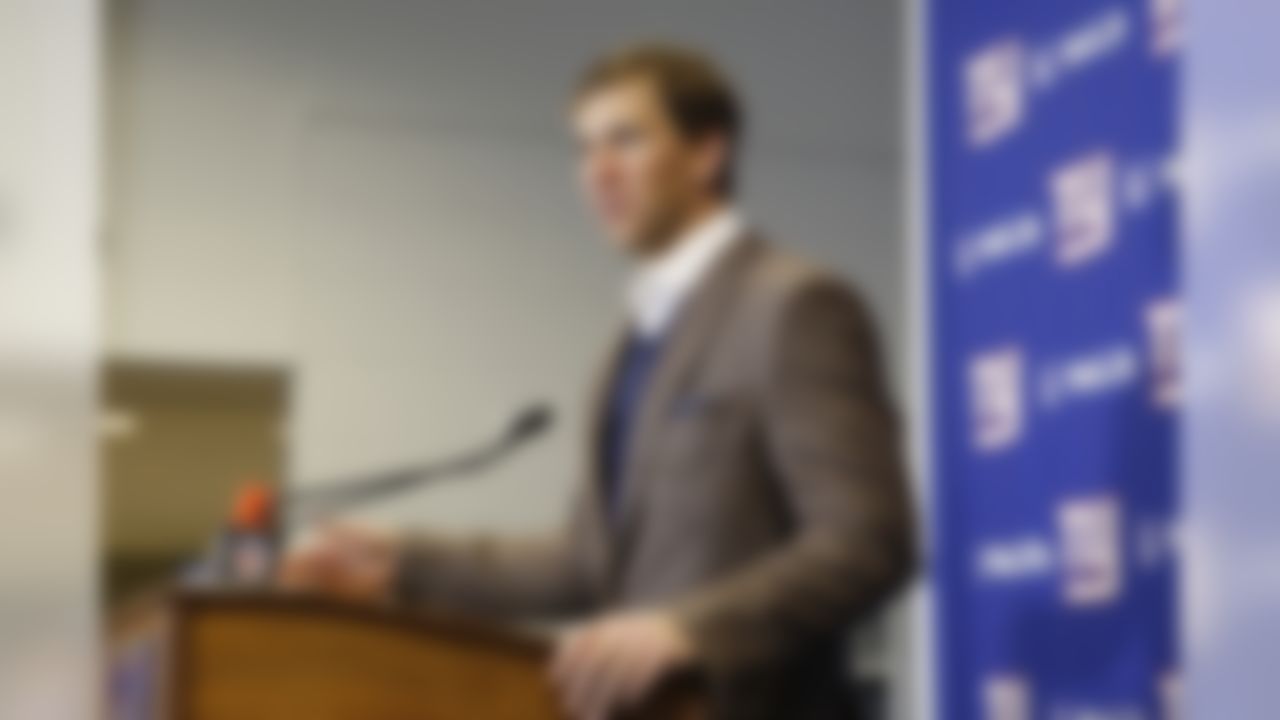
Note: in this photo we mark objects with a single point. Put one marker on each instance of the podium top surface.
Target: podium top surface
(438, 623)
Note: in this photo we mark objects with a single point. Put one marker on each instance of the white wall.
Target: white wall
(378, 195)
(48, 357)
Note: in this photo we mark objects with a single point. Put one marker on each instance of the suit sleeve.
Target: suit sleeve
(529, 577)
(833, 441)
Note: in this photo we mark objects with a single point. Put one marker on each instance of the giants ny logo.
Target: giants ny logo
(997, 407)
(1006, 697)
(1167, 22)
(995, 92)
(1084, 212)
(1164, 340)
(1090, 550)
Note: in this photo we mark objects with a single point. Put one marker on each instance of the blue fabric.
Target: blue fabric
(630, 382)
(1055, 495)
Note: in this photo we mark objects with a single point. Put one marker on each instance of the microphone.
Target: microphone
(525, 426)
(530, 423)
(244, 553)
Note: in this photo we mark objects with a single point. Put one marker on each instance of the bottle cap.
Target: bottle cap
(254, 507)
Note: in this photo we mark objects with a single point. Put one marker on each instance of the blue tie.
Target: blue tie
(630, 382)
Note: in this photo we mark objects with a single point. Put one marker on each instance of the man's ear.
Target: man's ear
(712, 158)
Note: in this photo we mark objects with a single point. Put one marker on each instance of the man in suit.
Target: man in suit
(744, 500)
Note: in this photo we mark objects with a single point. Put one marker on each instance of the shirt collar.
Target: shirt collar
(662, 283)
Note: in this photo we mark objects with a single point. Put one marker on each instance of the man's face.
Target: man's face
(641, 177)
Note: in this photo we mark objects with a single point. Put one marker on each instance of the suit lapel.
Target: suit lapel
(597, 419)
(683, 348)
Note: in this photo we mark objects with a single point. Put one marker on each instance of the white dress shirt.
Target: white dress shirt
(662, 283)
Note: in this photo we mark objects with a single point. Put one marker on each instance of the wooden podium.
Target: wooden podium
(270, 657)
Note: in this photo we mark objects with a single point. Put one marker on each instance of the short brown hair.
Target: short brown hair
(698, 97)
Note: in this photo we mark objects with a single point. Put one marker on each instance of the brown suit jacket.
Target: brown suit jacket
(763, 497)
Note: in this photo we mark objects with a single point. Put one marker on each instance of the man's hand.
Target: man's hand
(346, 561)
(616, 661)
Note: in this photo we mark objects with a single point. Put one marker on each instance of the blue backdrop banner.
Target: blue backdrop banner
(1054, 184)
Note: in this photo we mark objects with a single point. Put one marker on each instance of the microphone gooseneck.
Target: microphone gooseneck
(322, 498)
